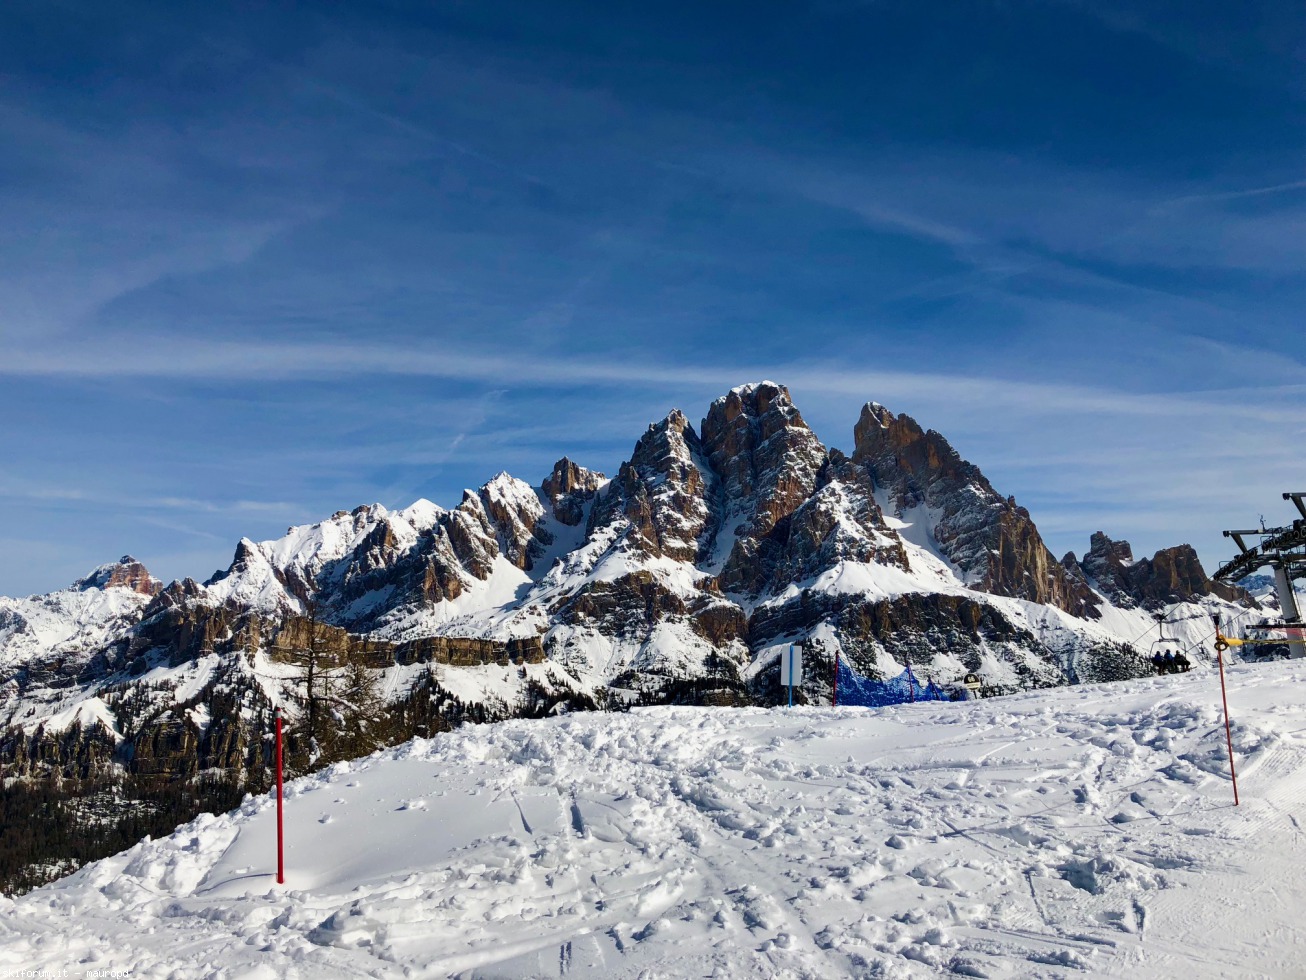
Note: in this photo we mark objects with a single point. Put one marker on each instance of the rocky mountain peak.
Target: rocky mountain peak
(513, 510)
(921, 457)
(765, 402)
(991, 539)
(1106, 562)
(246, 554)
(667, 446)
(125, 573)
(1179, 572)
(767, 457)
(873, 413)
(662, 491)
(569, 487)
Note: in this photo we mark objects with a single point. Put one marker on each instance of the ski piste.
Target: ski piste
(1081, 831)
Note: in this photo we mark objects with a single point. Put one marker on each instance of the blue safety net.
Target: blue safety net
(859, 691)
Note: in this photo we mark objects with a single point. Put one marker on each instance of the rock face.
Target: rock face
(513, 512)
(782, 494)
(1107, 561)
(1171, 575)
(989, 538)
(767, 457)
(839, 522)
(663, 493)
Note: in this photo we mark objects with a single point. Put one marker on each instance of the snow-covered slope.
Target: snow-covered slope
(1086, 831)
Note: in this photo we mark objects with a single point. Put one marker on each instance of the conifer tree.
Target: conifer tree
(343, 714)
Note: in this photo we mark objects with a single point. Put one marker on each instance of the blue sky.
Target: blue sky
(260, 265)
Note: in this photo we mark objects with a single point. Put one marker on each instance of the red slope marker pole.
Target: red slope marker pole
(281, 858)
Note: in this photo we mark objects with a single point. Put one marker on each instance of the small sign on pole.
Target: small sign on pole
(791, 668)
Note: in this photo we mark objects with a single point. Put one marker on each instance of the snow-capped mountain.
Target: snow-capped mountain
(721, 543)
(73, 623)
(679, 579)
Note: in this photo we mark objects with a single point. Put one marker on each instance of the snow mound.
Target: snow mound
(1082, 831)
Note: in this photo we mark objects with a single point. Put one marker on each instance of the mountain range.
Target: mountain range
(678, 579)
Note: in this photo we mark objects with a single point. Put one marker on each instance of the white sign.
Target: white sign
(791, 666)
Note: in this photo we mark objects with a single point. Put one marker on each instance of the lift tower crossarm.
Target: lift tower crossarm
(1238, 538)
(1278, 548)
(1296, 498)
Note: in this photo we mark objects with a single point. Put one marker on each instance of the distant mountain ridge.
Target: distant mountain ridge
(680, 578)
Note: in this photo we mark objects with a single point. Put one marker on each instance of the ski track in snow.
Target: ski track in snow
(1084, 831)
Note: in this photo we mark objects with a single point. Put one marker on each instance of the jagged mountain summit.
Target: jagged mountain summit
(678, 579)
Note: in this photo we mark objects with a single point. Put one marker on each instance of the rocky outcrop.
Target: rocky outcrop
(514, 511)
(1171, 575)
(570, 488)
(178, 632)
(766, 456)
(168, 749)
(662, 493)
(335, 646)
(770, 465)
(1106, 563)
(839, 521)
(1175, 575)
(75, 752)
(989, 538)
(470, 651)
(174, 596)
(628, 606)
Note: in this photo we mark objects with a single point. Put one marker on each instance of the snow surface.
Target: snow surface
(1083, 831)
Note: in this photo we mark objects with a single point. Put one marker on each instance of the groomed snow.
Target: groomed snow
(1083, 831)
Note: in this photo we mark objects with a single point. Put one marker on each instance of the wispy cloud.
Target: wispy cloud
(82, 496)
(176, 358)
(1234, 195)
